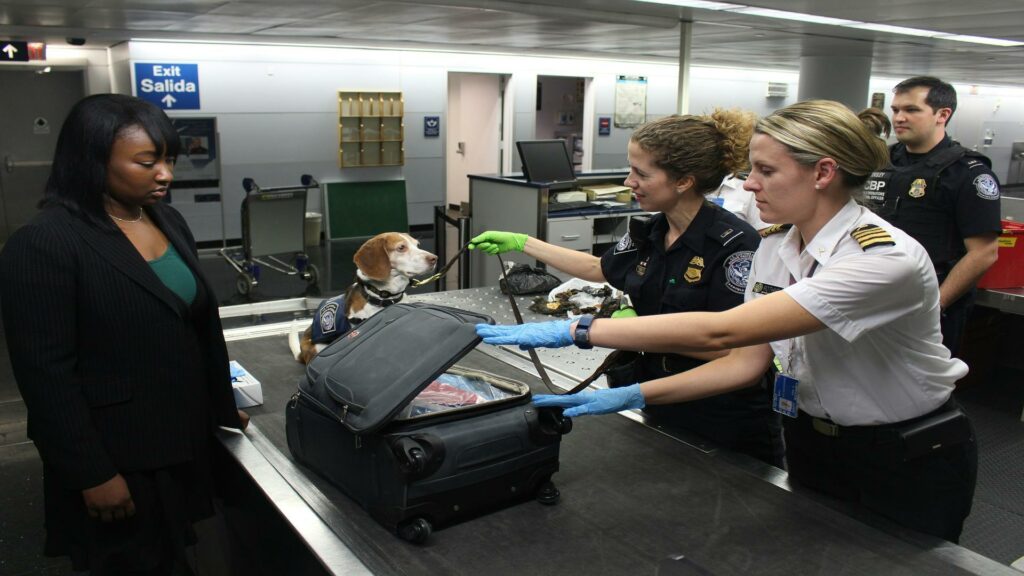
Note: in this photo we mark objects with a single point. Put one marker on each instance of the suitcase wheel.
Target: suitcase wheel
(547, 494)
(416, 530)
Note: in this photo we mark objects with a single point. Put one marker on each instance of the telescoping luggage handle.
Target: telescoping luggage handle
(536, 359)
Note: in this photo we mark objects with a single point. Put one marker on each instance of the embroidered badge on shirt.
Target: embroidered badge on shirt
(987, 187)
(328, 317)
(694, 270)
(762, 288)
(870, 235)
(625, 244)
(737, 270)
(917, 188)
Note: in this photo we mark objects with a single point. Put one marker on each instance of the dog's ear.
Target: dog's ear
(372, 258)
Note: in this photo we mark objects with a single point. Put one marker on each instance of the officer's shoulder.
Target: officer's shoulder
(870, 236)
(773, 230)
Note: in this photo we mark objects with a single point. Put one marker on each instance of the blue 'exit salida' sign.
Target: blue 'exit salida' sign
(169, 86)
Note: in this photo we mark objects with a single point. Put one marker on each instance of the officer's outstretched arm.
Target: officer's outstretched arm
(773, 317)
(740, 368)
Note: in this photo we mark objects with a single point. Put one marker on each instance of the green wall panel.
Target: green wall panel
(357, 209)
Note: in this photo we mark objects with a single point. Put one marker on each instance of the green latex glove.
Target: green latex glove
(624, 313)
(495, 242)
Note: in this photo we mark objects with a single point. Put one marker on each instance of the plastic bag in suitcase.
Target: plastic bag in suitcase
(398, 415)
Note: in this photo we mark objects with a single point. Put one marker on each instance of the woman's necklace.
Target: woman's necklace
(128, 220)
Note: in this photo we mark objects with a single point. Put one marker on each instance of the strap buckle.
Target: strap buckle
(825, 427)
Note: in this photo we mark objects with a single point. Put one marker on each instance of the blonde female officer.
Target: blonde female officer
(848, 304)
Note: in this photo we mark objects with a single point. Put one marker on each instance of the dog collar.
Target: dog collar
(381, 298)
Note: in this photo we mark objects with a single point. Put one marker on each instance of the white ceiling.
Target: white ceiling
(609, 28)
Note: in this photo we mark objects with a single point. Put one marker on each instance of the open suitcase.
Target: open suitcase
(399, 414)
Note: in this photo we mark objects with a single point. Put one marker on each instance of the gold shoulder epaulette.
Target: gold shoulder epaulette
(870, 235)
(774, 229)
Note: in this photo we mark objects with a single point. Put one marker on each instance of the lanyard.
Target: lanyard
(788, 367)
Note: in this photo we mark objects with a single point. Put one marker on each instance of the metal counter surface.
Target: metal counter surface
(635, 500)
(1009, 300)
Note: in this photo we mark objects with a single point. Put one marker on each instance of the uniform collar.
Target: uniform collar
(900, 151)
(693, 236)
(822, 246)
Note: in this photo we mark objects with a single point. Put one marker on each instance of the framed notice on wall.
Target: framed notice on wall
(198, 165)
(630, 101)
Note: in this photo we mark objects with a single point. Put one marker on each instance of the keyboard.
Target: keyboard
(563, 206)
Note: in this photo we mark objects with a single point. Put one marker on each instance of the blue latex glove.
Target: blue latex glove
(603, 401)
(532, 335)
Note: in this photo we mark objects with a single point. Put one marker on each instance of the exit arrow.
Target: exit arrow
(10, 50)
(169, 101)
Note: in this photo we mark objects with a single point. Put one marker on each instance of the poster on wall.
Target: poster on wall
(198, 165)
(630, 101)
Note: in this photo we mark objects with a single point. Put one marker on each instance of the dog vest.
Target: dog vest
(329, 321)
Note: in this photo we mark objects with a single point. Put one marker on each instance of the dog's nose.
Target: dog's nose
(431, 259)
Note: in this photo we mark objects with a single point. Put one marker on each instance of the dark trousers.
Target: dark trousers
(865, 464)
(953, 320)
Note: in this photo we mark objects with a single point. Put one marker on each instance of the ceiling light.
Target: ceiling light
(702, 4)
(893, 29)
(979, 40)
(784, 15)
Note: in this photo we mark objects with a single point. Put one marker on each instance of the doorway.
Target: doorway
(560, 114)
(34, 107)
(473, 140)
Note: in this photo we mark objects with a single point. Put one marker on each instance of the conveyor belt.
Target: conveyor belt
(633, 500)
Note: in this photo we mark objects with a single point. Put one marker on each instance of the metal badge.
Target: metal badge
(694, 270)
(641, 268)
(917, 188)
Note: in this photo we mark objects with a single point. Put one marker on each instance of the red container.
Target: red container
(1008, 271)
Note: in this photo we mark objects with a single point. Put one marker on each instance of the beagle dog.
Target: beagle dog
(385, 264)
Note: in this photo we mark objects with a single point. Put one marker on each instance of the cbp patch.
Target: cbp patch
(737, 270)
(328, 317)
(987, 187)
(625, 244)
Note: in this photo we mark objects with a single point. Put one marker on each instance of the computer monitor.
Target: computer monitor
(547, 161)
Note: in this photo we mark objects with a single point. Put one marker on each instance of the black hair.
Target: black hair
(940, 94)
(78, 177)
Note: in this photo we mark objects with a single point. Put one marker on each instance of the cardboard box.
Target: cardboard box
(1008, 271)
(248, 391)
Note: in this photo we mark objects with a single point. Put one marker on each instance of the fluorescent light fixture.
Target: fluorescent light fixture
(814, 19)
(980, 40)
(702, 4)
(894, 29)
(799, 17)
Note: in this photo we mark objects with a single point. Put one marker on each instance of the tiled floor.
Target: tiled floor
(995, 528)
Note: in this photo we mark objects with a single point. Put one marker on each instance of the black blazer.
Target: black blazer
(117, 372)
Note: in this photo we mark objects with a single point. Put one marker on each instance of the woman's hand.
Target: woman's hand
(244, 418)
(604, 401)
(109, 501)
(555, 334)
(495, 242)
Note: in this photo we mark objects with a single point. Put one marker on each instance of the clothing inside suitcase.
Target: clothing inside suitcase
(459, 388)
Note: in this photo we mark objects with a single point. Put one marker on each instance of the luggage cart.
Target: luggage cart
(273, 221)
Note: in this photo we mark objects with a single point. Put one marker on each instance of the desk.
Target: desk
(634, 500)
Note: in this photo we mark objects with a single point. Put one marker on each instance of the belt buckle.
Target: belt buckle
(830, 429)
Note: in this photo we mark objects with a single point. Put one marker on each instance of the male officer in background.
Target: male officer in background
(942, 194)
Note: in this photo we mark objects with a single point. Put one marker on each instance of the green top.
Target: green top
(175, 274)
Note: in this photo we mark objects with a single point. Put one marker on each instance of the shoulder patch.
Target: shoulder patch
(625, 244)
(773, 229)
(870, 235)
(737, 270)
(987, 187)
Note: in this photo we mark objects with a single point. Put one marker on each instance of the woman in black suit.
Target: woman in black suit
(116, 345)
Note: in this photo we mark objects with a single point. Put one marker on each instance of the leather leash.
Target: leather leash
(440, 273)
(536, 359)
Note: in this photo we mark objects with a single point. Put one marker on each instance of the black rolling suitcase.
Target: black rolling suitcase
(401, 414)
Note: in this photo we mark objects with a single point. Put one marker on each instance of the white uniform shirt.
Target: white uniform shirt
(731, 196)
(880, 358)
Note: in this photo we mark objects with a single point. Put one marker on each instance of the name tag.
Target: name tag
(784, 395)
(762, 288)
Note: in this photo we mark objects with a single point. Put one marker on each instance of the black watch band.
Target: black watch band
(581, 335)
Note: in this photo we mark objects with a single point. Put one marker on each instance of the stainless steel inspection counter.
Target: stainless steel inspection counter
(634, 499)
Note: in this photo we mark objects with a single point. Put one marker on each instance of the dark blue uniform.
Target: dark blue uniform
(705, 270)
(940, 198)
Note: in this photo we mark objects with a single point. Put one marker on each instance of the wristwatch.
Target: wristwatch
(581, 335)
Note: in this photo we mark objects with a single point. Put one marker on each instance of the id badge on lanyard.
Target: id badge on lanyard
(784, 395)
